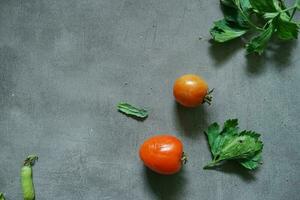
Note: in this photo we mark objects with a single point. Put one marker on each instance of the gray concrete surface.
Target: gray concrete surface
(65, 64)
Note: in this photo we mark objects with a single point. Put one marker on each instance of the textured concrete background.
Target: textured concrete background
(65, 64)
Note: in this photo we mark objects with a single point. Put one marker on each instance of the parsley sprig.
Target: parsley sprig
(264, 17)
(229, 144)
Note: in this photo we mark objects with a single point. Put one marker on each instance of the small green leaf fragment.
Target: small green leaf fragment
(219, 143)
(286, 29)
(253, 162)
(245, 4)
(229, 3)
(270, 15)
(231, 126)
(223, 31)
(259, 43)
(212, 133)
(240, 147)
(132, 110)
(263, 6)
(234, 17)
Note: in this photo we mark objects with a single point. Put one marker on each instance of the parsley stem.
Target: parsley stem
(287, 9)
(293, 13)
(214, 163)
(248, 20)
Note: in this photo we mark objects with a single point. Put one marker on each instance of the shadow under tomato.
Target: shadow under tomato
(191, 121)
(165, 187)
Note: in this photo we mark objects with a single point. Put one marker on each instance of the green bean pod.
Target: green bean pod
(2, 196)
(26, 178)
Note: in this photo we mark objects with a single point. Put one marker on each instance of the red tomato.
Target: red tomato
(191, 90)
(163, 154)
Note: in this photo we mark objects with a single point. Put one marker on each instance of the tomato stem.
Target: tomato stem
(184, 158)
(30, 160)
(208, 97)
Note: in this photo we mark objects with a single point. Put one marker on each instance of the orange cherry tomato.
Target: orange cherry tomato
(163, 154)
(191, 90)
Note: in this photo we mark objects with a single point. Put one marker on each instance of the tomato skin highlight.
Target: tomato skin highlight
(162, 154)
(190, 90)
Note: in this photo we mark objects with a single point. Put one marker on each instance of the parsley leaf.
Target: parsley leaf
(231, 126)
(266, 17)
(253, 162)
(214, 132)
(270, 15)
(233, 16)
(223, 31)
(229, 3)
(245, 4)
(228, 144)
(263, 6)
(132, 110)
(286, 30)
(259, 43)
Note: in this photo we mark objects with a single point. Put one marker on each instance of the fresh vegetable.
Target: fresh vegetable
(2, 196)
(229, 144)
(245, 16)
(191, 90)
(26, 178)
(163, 154)
(132, 110)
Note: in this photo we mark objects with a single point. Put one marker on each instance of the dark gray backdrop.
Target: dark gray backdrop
(65, 64)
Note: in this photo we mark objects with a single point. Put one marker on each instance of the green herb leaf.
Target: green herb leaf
(242, 146)
(229, 3)
(259, 43)
(219, 143)
(263, 6)
(245, 5)
(231, 126)
(212, 133)
(2, 196)
(245, 147)
(242, 16)
(132, 110)
(223, 31)
(217, 138)
(253, 162)
(270, 15)
(286, 29)
(233, 16)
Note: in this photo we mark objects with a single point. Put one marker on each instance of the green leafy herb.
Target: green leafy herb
(264, 6)
(2, 196)
(229, 144)
(258, 43)
(222, 31)
(132, 110)
(287, 30)
(266, 17)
